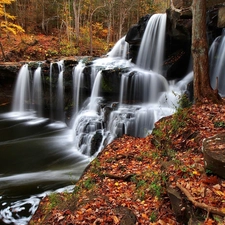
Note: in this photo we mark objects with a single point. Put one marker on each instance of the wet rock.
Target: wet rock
(95, 142)
(110, 85)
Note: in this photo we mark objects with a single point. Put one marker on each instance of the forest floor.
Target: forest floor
(40, 47)
(28, 47)
(160, 179)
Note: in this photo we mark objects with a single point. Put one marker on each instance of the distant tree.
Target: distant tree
(92, 10)
(110, 4)
(6, 23)
(76, 12)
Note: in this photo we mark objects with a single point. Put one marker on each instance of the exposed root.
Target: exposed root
(209, 209)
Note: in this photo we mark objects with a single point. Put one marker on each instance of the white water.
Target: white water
(60, 94)
(78, 81)
(217, 65)
(120, 49)
(37, 92)
(22, 96)
(50, 91)
(93, 104)
(150, 55)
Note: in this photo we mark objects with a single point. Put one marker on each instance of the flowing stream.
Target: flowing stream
(40, 155)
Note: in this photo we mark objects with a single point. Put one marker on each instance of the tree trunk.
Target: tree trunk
(202, 87)
(110, 9)
(76, 12)
(90, 26)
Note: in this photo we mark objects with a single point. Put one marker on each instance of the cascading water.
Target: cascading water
(77, 83)
(22, 94)
(60, 94)
(150, 55)
(217, 66)
(50, 91)
(120, 49)
(37, 92)
(52, 150)
(93, 104)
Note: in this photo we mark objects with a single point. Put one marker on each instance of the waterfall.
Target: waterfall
(78, 80)
(60, 94)
(22, 94)
(124, 87)
(120, 49)
(50, 91)
(37, 92)
(150, 56)
(93, 104)
(217, 66)
(140, 89)
(101, 114)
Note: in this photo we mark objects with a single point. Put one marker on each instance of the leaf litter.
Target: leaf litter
(127, 182)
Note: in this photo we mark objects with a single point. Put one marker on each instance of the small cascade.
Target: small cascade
(50, 91)
(22, 92)
(125, 83)
(87, 126)
(37, 92)
(93, 104)
(120, 49)
(137, 110)
(217, 66)
(150, 56)
(60, 94)
(77, 83)
(142, 86)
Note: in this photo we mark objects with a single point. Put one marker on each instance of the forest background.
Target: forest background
(40, 29)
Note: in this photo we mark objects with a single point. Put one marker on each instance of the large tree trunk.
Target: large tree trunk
(202, 87)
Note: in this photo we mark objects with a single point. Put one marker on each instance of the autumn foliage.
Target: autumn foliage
(130, 182)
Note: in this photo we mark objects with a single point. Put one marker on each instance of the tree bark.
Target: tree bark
(76, 11)
(202, 87)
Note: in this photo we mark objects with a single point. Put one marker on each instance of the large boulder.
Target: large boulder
(214, 154)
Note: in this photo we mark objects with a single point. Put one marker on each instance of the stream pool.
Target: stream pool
(37, 157)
